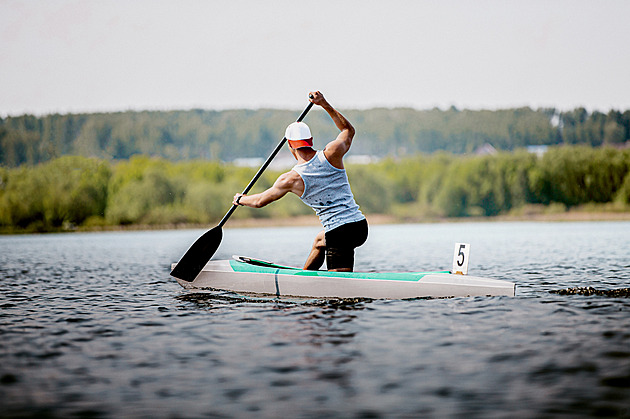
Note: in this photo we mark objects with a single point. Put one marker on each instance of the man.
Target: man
(321, 182)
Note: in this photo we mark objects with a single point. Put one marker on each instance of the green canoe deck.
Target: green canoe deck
(258, 266)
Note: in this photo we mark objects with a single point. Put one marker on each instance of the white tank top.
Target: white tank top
(327, 191)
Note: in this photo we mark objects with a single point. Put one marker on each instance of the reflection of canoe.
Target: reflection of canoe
(246, 275)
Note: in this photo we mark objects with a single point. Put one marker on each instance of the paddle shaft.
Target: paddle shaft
(263, 167)
(202, 250)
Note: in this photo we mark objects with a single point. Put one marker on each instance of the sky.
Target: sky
(70, 56)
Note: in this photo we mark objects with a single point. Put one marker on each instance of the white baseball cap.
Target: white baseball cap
(299, 135)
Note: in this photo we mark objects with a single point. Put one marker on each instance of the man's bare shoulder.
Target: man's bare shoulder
(290, 176)
(291, 181)
(334, 154)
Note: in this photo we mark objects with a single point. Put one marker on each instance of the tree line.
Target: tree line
(227, 135)
(74, 191)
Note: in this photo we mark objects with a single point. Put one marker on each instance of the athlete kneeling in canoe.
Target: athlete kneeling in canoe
(321, 182)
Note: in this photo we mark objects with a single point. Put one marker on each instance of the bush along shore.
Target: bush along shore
(79, 193)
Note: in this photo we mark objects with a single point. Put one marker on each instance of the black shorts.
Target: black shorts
(341, 242)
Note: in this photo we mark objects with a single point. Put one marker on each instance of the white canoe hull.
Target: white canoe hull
(220, 274)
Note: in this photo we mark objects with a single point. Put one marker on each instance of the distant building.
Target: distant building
(486, 150)
(361, 159)
(538, 150)
(284, 160)
(248, 162)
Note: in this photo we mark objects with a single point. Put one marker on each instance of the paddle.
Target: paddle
(202, 250)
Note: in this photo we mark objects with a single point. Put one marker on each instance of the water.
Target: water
(91, 325)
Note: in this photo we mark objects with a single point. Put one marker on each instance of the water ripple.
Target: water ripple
(93, 326)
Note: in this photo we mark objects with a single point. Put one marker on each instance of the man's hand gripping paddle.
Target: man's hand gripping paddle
(205, 247)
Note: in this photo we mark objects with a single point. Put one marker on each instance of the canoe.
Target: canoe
(253, 276)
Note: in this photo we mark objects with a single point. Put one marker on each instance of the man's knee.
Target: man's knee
(320, 240)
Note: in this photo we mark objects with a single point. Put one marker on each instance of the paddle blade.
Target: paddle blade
(198, 255)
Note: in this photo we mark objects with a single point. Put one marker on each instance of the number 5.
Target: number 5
(460, 258)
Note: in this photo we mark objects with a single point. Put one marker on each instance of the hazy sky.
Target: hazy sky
(83, 56)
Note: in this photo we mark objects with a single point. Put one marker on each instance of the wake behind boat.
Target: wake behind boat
(254, 276)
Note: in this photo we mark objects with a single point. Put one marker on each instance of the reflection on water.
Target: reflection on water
(91, 325)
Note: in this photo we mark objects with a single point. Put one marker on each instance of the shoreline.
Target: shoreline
(373, 219)
(380, 219)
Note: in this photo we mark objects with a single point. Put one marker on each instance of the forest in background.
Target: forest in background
(231, 134)
(79, 192)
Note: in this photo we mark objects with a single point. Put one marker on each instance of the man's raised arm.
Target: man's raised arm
(340, 146)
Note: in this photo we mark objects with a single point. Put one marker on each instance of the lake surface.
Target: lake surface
(92, 325)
